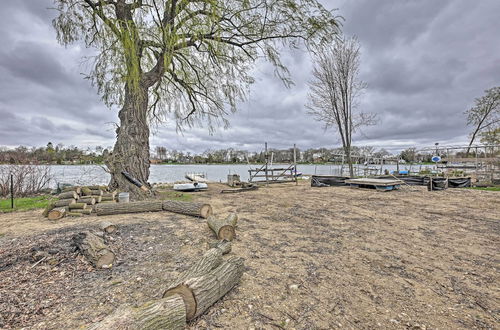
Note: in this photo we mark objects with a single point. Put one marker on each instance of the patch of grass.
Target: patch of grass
(175, 195)
(25, 203)
(497, 188)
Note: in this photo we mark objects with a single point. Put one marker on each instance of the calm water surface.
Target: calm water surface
(95, 174)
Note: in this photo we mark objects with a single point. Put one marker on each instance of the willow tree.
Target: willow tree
(186, 60)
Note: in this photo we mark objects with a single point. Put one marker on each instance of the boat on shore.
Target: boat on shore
(196, 177)
(190, 186)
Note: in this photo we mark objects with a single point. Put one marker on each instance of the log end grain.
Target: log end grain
(226, 233)
(206, 211)
(57, 213)
(187, 296)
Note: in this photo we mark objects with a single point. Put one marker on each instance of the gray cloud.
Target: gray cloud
(424, 62)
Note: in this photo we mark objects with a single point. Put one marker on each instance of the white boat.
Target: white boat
(190, 186)
(196, 177)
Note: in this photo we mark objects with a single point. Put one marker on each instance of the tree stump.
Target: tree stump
(201, 292)
(189, 208)
(68, 194)
(132, 207)
(224, 229)
(94, 249)
(57, 213)
(64, 202)
(108, 227)
(167, 313)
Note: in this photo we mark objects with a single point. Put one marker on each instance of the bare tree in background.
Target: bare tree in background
(485, 115)
(334, 90)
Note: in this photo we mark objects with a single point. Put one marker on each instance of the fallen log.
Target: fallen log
(168, 313)
(77, 206)
(87, 200)
(94, 249)
(132, 207)
(189, 208)
(201, 292)
(108, 227)
(47, 209)
(57, 213)
(67, 195)
(224, 229)
(64, 202)
(107, 198)
(110, 194)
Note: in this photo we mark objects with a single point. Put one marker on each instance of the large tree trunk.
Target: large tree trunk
(131, 150)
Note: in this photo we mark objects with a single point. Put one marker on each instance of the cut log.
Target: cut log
(47, 209)
(74, 214)
(87, 200)
(77, 206)
(107, 198)
(108, 227)
(86, 211)
(78, 190)
(57, 213)
(94, 249)
(64, 202)
(210, 260)
(90, 200)
(97, 192)
(224, 229)
(86, 191)
(67, 195)
(199, 293)
(168, 313)
(96, 187)
(189, 208)
(132, 207)
(109, 194)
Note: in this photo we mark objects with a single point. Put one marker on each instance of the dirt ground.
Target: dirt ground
(316, 258)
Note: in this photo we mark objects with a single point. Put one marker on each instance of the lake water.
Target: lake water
(94, 174)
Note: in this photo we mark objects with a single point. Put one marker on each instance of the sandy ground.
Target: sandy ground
(316, 258)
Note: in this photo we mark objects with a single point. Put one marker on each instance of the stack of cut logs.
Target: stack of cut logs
(78, 201)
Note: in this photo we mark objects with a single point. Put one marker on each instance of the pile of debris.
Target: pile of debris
(78, 201)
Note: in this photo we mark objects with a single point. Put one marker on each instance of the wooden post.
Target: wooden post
(11, 191)
(265, 153)
(295, 163)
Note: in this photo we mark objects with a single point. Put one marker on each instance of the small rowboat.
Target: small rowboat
(196, 177)
(191, 186)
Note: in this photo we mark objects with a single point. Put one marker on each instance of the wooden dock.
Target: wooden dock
(379, 184)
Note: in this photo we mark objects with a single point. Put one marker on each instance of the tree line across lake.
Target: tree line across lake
(69, 155)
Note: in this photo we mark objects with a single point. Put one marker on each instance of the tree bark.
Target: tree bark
(168, 313)
(223, 228)
(201, 292)
(131, 150)
(94, 249)
(49, 207)
(189, 208)
(132, 207)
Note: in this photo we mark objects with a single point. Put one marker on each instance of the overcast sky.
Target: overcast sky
(424, 62)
